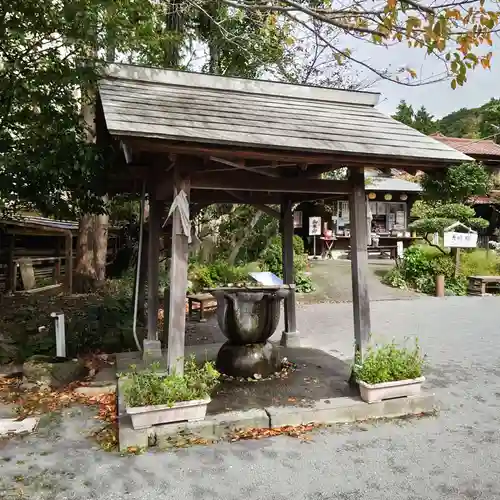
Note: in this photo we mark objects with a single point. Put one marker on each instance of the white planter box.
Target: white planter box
(147, 416)
(373, 393)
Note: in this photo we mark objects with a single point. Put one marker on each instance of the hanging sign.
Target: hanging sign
(452, 239)
(460, 240)
(314, 226)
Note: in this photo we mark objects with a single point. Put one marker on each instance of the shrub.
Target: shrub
(149, 387)
(421, 265)
(415, 263)
(395, 278)
(218, 274)
(272, 260)
(390, 362)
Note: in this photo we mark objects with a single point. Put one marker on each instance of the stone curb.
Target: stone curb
(326, 411)
(346, 409)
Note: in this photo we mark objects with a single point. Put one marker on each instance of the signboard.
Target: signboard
(400, 249)
(314, 226)
(460, 240)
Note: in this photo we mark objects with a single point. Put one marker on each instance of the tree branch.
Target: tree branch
(426, 238)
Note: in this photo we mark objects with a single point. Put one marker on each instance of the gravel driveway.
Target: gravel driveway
(455, 455)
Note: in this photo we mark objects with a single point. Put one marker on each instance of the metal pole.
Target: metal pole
(60, 334)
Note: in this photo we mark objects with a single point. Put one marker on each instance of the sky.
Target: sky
(438, 98)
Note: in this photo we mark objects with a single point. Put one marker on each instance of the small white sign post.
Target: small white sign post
(453, 239)
(314, 230)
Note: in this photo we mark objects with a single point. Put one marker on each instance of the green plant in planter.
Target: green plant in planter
(150, 387)
(389, 363)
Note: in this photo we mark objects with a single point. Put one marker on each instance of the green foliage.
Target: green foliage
(272, 256)
(479, 262)
(218, 274)
(150, 387)
(420, 120)
(404, 113)
(304, 283)
(435, 218)
(424, 122)
(472, 123)
(421, 264)
(389, 363)
(100, 322)
(47, 69)
(456, 184)
(272, 260)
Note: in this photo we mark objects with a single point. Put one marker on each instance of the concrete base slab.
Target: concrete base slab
(334, 411)
(12, 426)
(257, 412)
(345, 410)
(151, 350)
(290, 339)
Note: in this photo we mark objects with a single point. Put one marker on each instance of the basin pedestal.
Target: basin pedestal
(248, 317)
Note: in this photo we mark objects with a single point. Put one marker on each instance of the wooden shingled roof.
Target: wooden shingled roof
(205, 109)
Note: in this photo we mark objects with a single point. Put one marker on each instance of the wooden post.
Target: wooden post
(11, 266)
(178, 284)
(359, 261)
(290, 337)
(457, 262)
(57, 266)
(155, 214)
(440, 285)
(68, 251)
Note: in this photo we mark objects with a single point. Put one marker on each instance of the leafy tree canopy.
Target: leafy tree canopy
(456, 184)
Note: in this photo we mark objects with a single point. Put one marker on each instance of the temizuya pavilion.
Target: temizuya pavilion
(215, 139)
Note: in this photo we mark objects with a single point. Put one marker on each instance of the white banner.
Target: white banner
(460, 240)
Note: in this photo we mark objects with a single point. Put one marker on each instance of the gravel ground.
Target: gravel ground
(453, 456)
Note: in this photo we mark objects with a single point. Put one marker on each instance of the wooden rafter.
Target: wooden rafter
(263, 208)
(241, 166)
(246, 181)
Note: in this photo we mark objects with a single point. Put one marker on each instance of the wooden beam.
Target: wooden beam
(154, 222)
(263, 208)
(246, 181)
(241, 166)
(178, 284)
(258, 198)
(359, 262)
(290, 336)
(281, 155)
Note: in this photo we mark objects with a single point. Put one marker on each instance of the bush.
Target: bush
(149, 387)
(272, 261)
(98, 322)
(390, 362)
(421, 265)
(218, 274)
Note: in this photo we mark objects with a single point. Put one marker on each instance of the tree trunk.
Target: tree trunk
(85, 272)
(239, 243)
(101, 244)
